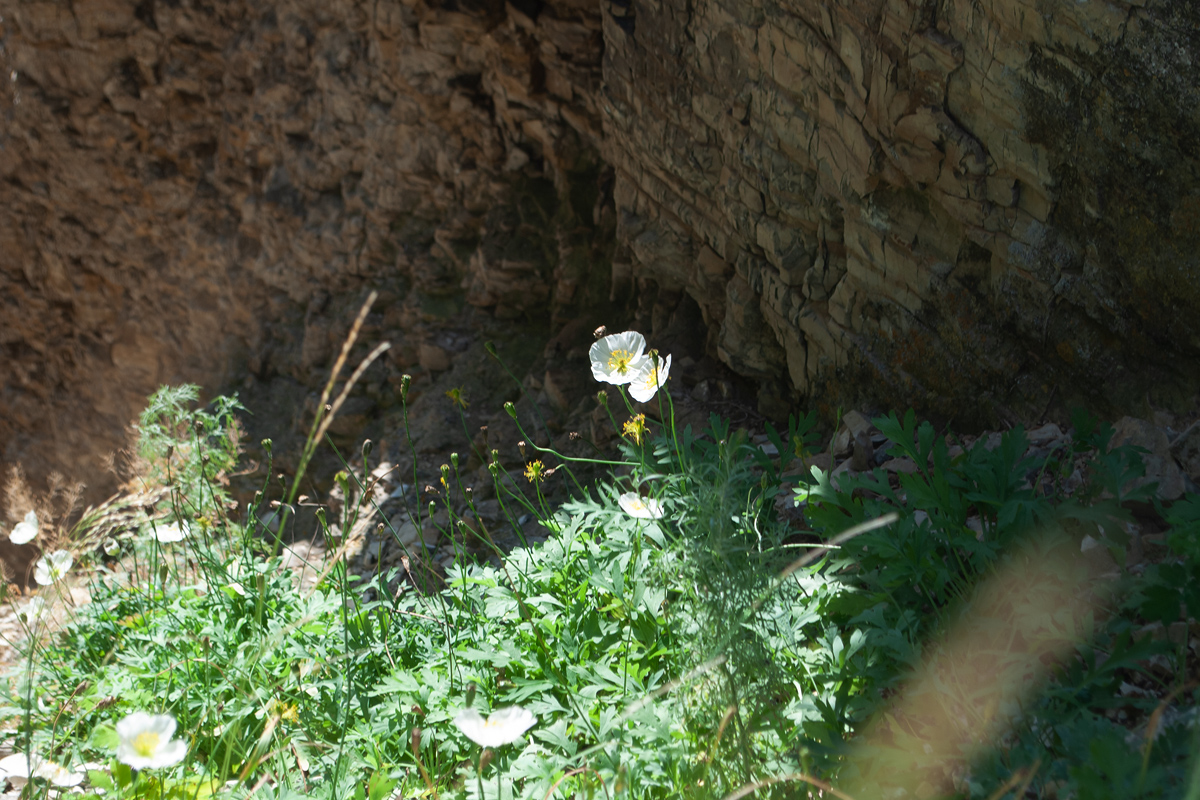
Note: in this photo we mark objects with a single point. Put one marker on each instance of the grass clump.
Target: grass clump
(714, 620)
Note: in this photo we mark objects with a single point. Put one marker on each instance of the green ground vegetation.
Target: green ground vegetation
(964, 629)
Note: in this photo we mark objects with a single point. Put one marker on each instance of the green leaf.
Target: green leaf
(104, 737)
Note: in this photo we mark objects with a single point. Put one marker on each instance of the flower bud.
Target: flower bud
(366, 448)
(266, 445)
(432, 508)
(602, 397)
(510, 409)
(521, 447)
(405, 382)
(454, 459)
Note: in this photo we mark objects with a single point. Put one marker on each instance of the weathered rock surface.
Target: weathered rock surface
(976, 208)
(966, 206)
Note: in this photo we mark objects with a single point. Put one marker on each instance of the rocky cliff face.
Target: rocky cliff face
(975, 207)
(968, 206)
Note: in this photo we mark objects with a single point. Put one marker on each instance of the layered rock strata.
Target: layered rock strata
(978, 208)
(967, 206)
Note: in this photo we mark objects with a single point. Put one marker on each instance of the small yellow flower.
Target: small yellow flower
(456, 397)
(535, 472)
(635, 428)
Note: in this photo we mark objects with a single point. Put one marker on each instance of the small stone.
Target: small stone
(1160, 465)
(433, 358)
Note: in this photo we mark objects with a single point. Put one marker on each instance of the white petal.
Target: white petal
(502, 727)
(25, 530)
(636, 506)
(648, 379)
(14, 766)
(617, 358)
(175, 532)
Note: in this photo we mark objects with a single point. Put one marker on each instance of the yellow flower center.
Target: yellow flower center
(635, 428)
(618, 361)
(146, 743)
(533, 472)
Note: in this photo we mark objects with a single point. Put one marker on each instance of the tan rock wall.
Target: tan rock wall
(976, 207)
(201, 191)
(979, 207)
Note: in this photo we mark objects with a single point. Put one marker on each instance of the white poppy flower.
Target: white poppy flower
(57, 774)
(51, 569)
(15, 769)
(145, 741)
(25, 530)
(503, 726)
(645, 383)
(175, 532)
(635, 505)
(31, 612)
(617, 358)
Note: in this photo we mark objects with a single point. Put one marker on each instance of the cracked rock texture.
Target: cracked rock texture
(983, 208)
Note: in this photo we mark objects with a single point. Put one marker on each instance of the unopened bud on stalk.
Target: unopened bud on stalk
(432, 508)
(266, 445)
(454, 459)
(366, 448)
(405, 382)
(321, 517)
(510, 409)
(491, 348)
(416, 741)
(471, 687)
(494, 468)
(602, 397)
(521, 447)
(445, 468)
(495, 456)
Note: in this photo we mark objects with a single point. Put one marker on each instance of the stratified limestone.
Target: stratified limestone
(972, 207)
(964, 206)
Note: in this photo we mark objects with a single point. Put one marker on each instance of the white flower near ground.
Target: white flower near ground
(646, 382)
(15, 769)
(635, 505)
(31, 612)
(51, 569)
(618, 357)
(503, 726)
(175, 532)
(145, 741)
(57, 774)
(25, 530)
